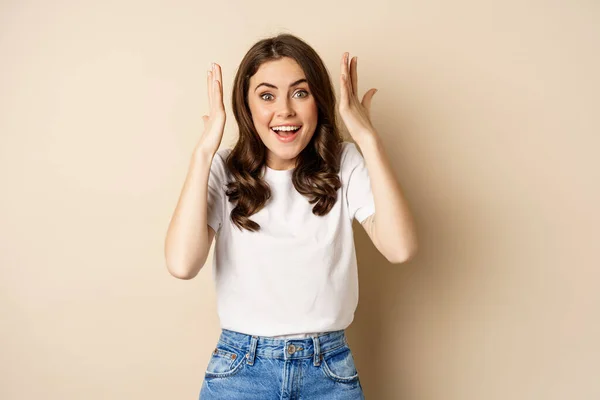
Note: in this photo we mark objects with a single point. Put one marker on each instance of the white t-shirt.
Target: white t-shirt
(298, 275)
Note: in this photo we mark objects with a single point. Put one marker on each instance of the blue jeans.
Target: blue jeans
(256, 367)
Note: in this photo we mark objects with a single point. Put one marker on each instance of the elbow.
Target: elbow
(184, 275)
(183, 272)
(182, 266)
(406, 254)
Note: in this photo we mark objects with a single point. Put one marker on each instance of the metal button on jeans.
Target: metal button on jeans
(291, 349)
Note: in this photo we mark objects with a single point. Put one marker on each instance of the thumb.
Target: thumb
(366, 102)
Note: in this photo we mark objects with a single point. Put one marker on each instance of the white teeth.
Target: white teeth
(285, 128)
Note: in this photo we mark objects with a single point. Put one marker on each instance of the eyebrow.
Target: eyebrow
(275, 87)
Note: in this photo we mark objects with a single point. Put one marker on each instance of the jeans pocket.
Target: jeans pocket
(338, 365)
(225, 361)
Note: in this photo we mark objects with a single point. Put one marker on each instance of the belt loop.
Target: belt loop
(317, 346)
(252, 350)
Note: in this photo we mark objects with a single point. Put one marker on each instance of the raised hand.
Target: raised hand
(354, 113)
(214, 123)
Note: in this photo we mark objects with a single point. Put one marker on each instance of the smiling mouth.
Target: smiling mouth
(286, 133)
(286, 136)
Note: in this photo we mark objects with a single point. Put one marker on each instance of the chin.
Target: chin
(286, 155)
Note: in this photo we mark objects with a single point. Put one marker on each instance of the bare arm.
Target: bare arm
(189, 236)
(391, 228)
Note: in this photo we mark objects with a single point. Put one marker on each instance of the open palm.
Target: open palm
(354, 113)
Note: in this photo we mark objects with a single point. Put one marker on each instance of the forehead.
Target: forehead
(280, 72)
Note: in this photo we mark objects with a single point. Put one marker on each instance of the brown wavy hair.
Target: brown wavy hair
(316, 175)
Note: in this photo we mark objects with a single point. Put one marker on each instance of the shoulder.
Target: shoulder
(350, 155)
(219, 163)
(220, 158)
(222, 154)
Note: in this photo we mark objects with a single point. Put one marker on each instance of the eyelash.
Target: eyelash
(300, 91)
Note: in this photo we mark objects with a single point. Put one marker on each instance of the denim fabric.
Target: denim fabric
(261, 368)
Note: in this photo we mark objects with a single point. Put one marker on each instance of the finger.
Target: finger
(210, 86)
(209, 89)
(347, 71)
(219, 80)
(367, 98)
(344, 65)
(219, 73)
(354, 74)
(217, 95)
(345, 89)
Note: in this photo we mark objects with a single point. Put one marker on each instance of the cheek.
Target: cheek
(311, 112)
(265, 116)
(260, 115)
(262, 118)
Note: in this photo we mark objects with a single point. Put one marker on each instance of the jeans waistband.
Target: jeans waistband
(285, 349)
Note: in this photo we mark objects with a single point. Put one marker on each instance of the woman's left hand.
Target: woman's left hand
(354, 113)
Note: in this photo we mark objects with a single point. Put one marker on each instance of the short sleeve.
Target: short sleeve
(217, 185)
(358, 192)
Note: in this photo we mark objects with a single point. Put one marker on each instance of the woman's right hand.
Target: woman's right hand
(214, 124)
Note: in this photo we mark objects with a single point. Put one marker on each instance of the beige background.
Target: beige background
(489, 111)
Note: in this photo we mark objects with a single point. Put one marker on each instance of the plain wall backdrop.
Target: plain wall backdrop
(488, 110)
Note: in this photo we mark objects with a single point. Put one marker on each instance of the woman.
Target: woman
(281, 205)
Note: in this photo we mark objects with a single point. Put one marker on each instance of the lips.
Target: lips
(284, 132)
(285, 126)
(288, 136)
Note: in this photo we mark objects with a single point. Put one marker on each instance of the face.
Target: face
(279, 95)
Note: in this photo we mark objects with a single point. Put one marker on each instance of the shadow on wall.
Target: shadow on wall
(375, 334)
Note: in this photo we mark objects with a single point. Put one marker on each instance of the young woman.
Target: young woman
(281, 205)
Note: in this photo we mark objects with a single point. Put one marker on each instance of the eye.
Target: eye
(302, 91)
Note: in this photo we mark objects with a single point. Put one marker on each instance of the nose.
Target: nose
(285, 108)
